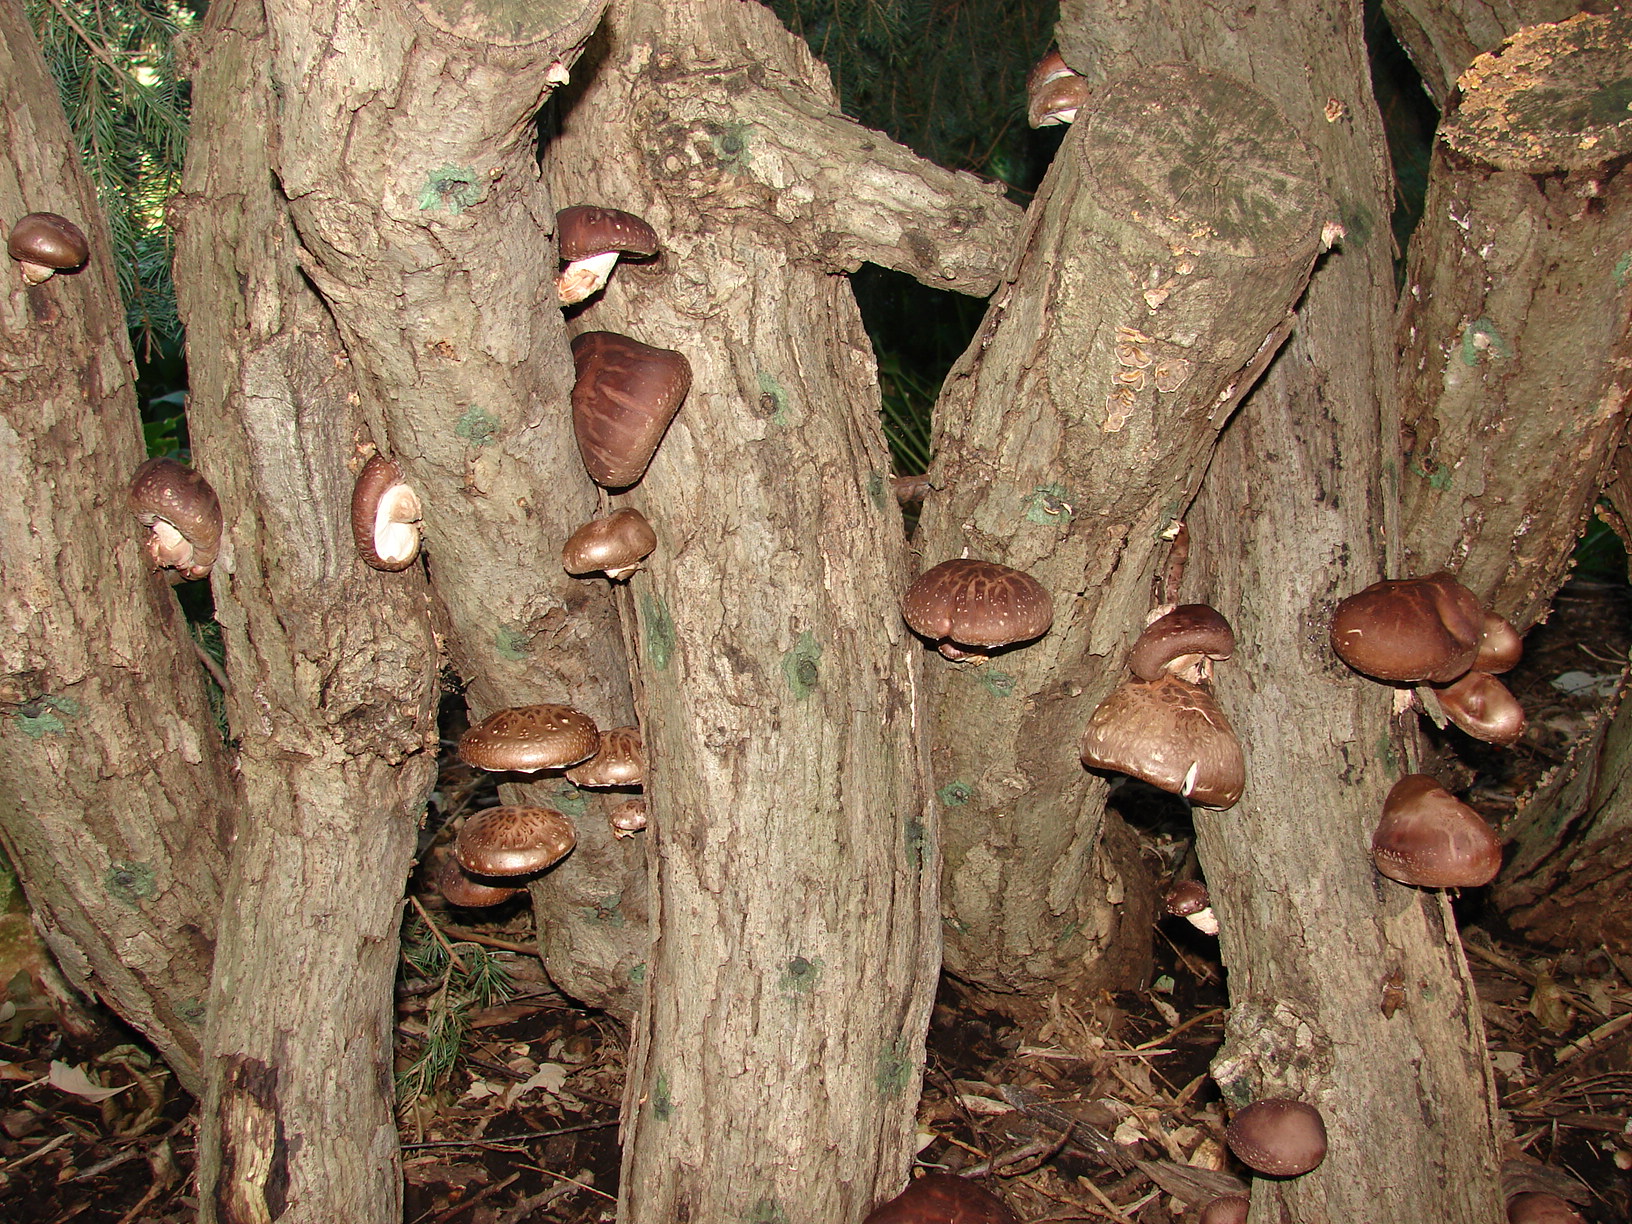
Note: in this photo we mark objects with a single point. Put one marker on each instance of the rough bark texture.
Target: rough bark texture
(333, 698)
(1162, 258)
(776, 1066)
(1516, 322)
(1310, 932)
(113, 782)
(408, 156)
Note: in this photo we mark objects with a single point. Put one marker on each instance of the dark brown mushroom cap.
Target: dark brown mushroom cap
(977, 604)
(45, 242)
(1186, 897)
(1280, 1137)
(942, 1198)
(625, 396)
(459, 887)
(619, 761)
(1500, 646)
(1410, 629)
(1186, 631)
(182, 514)
(384, 516)
(1483, 707)
(1050, 68)
(512, 841)
(1539, 1207)
(584, 230)
(1429, 838)
(1058, 101)
(614, 545)
(1168, 732)
(1229, 1209)
(525, 739)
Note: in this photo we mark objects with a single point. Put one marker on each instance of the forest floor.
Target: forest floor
(1103, 1111)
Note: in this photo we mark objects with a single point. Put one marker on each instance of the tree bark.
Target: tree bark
(112, 771)
(333, 699)
(776, 1065)
(425, 228)
(1310, 933)
(1515, 325)
(1160, 264)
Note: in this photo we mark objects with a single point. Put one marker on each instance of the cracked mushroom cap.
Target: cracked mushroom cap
(526, 739)
(971, 606)
(513, 840)
(459, 887)
(942, 1198)
(614, 545)
(1277, 1136)
(1484, 707)
(385, 516)
(1178, 639)
(625, 395)
(1172, 734)
(45, 243)
(1429, 838)
(1410, 630)
(619, 761)
(182, 515)
(628, 818)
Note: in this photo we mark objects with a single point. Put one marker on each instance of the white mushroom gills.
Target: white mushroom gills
(167, 547)
(396, 525)
(584, 277)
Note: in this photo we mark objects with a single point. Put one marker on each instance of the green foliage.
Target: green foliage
(127, 104)
(467, 977)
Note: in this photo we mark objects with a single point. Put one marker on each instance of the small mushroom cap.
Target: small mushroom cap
(385, 516)
(1229, 1209)
(1429, 838)
(628, 818)
(1280, 1137)
(1539, 1207)
(48, 243)
(583, 230)
(1172, 734)
(459, 887)
(614, 545)
(512, 840)
(1410, 629)
(618, 762)
(182, 514)
(1483, 707)
(942, 1198)
(1179, 635)
(1050, 68)
(978, 604)
(1187, 897)
(526, 739)
(1500, 646)
(1057, 102)
(625, 396)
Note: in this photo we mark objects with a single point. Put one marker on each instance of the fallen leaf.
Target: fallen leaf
(74, 1080)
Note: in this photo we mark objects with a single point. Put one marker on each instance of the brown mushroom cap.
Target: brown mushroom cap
(1483, 707)
(1500, 646)
(614, 545)
(385, 516)
(1410, 629)
(512, 841)
(1170, 733)
(459, 887)
(625, 396)
(526, 739)
(45, 243)
(942, 1198)
(977, 604)
(628, 818)
(619, 761)
(182, 514)
(1280, 1137)
(584, 230)
(1186, 897)
(1229, 1209)
(1429, 838)
(1539, 1207)
(1174, 640)
(1058, 101)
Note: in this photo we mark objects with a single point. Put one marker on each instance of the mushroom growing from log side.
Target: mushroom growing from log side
(1182, 641)
(1279, 1137)
(969, 607)
(1054, 93)
(1429, 838)
(459, 887)
(625, 395)
(1538, 1207)
(1172, 734)
(590, 241)
(512, 840)
(385, 516)
(1410, 630)
(1501, 646)
(182, 516)
(1188, 899)
(526, 739)
(45, 243)
(1228, 1209)
(1483, 707)
(943, 1198)
(628, 818)
(618, 761)
(614, 545)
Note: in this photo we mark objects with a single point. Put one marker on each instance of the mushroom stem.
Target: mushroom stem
(585, 277)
